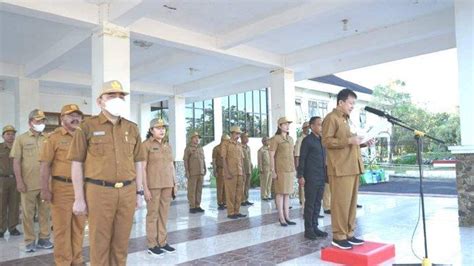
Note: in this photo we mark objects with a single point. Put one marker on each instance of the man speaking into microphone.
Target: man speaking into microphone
(344, 165)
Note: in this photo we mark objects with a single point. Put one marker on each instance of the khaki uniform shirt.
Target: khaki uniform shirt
(233, 155)
(6, 163)
(298, 145)
(284, 150)
(217, 159)
(26, 148)
(264, 159)
(108, 151)
(54, 151)
(343, 159)
(159, 168)
(247, 160)
(194, 160)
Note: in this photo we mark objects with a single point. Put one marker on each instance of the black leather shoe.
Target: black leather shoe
(192, 210)
(243, 204)
(221, 207)
(320, 216)
(320, 233)
(232, 217)
(240, 215)
(249, 203)
(199, 209)
(310, 235)
(359, 206)
(290, 222)
(15, 232)
(283, 224)
(327, 211)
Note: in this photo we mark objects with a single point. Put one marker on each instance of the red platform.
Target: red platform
(370, 253)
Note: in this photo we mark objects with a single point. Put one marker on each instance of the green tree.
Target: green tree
(392, 99)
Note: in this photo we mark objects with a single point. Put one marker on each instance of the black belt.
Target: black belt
(108, 184)
(62, 179)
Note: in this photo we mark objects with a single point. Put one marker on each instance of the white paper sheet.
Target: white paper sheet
(374, 131)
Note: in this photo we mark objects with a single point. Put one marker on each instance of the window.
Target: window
(200, 118)
(298, 111)
(247, 110)
(160, 111)
(317, 108)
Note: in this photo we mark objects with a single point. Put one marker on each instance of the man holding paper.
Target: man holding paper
(344, 165)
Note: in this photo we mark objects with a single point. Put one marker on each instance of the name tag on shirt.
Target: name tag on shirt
(98, 133)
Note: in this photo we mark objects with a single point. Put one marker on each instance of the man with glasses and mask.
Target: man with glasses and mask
(26, 165)
(106, 154)
(68, 228)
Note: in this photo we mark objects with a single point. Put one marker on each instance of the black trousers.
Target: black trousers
(314, 190)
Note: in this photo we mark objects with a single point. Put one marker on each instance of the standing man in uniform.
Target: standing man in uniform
(107, 154)
(195, 167)
(344, 166)
(218, 166)
(304, 133)
(264, 170)
(312, 175)
(26, 165)
(244, 138)
(233, 158)
(68, 228)
(9, 196)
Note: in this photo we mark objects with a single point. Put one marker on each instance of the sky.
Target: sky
(431, 79)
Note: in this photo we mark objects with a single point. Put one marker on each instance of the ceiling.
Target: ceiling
(196, 47)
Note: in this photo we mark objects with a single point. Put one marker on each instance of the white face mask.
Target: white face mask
(115, 106)
(39, 128)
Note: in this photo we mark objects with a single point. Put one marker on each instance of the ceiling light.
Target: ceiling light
(142, 44)
(344, 24)
(192, 70)
(170, 7)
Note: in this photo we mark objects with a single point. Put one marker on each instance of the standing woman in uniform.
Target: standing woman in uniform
(283, 169)
(159, 183)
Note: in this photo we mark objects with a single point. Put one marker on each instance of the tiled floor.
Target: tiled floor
(212, 239)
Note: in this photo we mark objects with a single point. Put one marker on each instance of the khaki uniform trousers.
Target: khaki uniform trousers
(265, 185)
(343, 205)
(157, 217)
(9, 204)
(327, 197)
(29, 201)
(220, 189)
(233, 192)
(110, 222)
(68, 228)
(246, 187)
(195, 190)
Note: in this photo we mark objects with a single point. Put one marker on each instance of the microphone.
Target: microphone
(380, 113)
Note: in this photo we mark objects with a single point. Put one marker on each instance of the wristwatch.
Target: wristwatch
(140, 192)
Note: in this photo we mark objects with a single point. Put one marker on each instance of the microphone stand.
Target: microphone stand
(419, 135)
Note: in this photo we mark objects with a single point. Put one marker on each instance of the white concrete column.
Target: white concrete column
(282, 98)
(177, 122)
(26, 99)
(217, 119)
(464, 19)
(144, 119)
(110, 60)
